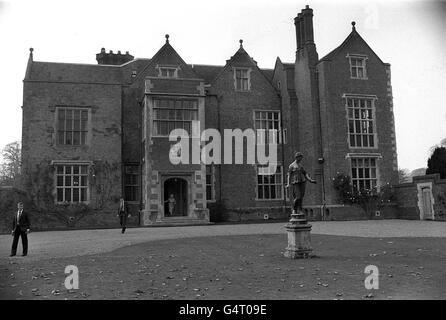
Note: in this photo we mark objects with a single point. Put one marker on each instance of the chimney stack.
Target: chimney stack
(298, 36)
(304, 27)
(113, 58)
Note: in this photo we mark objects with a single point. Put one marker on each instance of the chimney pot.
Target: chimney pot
(304, 27)
(113, 58)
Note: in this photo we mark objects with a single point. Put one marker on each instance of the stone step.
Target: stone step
(181, 221)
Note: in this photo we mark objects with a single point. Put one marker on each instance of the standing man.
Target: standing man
(122, 214)
(20, 228)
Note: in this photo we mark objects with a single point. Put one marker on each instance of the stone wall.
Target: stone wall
(409, 197)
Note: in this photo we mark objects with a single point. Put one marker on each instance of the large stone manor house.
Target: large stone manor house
(95, 132)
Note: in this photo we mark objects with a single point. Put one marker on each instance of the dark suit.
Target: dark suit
(19, 229)
(123, 213)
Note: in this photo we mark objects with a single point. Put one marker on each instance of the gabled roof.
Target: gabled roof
(269, 73)
(78, 72)
(167, 55)
(242, 55)
(352, 36)
(288, 69)
(116, 74)
(71, 72)
(210, 72)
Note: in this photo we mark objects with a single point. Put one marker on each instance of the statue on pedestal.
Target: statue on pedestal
(298, 230)
(297, 178)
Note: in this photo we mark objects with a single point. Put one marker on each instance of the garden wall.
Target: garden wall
(410, 201)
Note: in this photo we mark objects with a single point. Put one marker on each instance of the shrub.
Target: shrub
(367, 199)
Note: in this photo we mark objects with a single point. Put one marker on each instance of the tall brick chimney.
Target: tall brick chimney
(306, 85)
(304, 27)
(113, 58)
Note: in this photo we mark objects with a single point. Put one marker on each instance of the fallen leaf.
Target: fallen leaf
(55, 292)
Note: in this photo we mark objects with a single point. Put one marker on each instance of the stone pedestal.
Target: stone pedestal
(299, 241)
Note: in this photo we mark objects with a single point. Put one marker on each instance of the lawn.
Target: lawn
(238, 267)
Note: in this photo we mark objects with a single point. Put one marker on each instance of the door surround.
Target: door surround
(421, 187)
(187, 176)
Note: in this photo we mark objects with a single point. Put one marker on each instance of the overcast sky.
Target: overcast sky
(409, 35)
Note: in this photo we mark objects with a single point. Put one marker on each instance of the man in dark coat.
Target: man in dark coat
(20, 228)
(123, 214)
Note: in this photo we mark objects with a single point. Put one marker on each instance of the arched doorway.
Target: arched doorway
(178, 188)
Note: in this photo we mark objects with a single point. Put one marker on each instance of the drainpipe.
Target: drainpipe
(218, 98)
(321, 159)
(283, 153)
(141, 153)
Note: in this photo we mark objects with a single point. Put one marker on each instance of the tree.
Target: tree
(437, 161)
(404, 175)
(10, 168)
(418, 172)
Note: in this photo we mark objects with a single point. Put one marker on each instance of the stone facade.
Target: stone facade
(126, 150)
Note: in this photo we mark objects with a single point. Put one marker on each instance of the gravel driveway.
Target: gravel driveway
(52, 244)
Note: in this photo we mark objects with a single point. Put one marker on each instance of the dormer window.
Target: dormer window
(242, 79)
(357, 66)
(168, 72)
